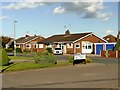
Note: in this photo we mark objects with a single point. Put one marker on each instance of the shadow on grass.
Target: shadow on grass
(9, 65)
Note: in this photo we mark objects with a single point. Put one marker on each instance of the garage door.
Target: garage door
(99, 48)
(109, 46)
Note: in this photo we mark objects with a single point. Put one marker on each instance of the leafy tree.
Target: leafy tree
(117, 47)
(5, 40)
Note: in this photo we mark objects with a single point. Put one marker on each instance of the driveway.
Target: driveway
(93, 75)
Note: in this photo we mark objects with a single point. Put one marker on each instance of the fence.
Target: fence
(113, 54)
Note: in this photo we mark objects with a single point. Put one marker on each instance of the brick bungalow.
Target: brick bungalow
(74, 43)
(110, 38)
(28, 42)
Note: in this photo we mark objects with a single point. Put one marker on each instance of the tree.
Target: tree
(5, 40)
(117, 46)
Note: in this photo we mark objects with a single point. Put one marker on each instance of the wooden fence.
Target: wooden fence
(109, 53)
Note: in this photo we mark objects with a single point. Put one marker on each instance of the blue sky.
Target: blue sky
(47, 19)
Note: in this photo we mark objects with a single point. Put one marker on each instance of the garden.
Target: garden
(35, 61)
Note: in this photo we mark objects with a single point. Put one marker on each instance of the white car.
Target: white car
(58, 51)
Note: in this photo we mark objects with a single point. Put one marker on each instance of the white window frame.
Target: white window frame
(77, 44)
(41, 45)
(36, 45)
(29, 46)
(69, 46)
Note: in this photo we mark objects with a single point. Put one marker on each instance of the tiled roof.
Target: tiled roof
(26, 39)
(110, 38)
(65, 38)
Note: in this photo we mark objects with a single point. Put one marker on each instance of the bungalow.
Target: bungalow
(27, 42)
(74, 43)
(110, 38)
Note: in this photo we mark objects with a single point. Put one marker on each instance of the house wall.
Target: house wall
(41, 49)
(92, 39)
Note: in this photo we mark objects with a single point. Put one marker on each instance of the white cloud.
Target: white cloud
(84, 9)
(22, 5)
(109, 31)
(59, 10)
(3, 17)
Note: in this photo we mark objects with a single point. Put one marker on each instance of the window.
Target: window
(108, 39)
(77, 45)
(36, 45)
(40, 45)
(70, 45)
(89, 47)
(28, 45)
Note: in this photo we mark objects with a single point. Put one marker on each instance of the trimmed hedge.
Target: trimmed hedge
(4, 60)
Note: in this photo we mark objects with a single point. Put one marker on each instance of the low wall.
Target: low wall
(113, 54)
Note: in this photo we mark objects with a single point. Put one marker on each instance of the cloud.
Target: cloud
(109, 31)
(22, 5)
(84, 9)
(59, 10)
(3, 17)
(81, 9)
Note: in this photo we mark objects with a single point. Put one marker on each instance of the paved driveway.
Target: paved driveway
(79, 76)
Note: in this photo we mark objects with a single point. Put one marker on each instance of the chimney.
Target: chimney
(67, 32)
(27, 35)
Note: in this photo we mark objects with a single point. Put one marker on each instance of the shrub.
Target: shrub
(49, 50)
(71, 59)
(26, 50)
(9, 50)
(88, 60)
(44, 58)
(117, 46)
(18, 50)
(4, 60)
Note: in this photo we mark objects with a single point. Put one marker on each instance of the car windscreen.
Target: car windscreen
(57, 48)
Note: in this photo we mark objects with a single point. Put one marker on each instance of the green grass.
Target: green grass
(31, 65)
(20, 58)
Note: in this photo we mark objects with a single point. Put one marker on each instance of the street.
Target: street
(94, 75)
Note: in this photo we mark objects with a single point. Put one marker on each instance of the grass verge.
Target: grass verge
(31, 65)
(20, 58)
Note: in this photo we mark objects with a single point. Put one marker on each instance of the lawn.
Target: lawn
(20, 58)
(32, 65)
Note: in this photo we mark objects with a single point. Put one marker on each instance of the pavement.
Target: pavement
(93, 75)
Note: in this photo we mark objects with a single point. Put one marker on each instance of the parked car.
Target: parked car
(58, 51)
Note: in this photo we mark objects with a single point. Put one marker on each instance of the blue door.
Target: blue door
(99, 47)
(109, 46)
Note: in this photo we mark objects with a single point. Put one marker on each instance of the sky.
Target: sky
(50, 18)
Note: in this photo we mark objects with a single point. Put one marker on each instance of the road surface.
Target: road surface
(95, 75)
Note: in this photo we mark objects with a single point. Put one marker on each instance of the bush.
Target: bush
(117, 46)
(71, 59)
(9, 50)
(26, 51)
(18, 50)
(44, 58)
(4, 60)
(88, 60)
(49, 50)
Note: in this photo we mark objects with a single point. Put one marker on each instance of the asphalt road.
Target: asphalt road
(94, 75)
